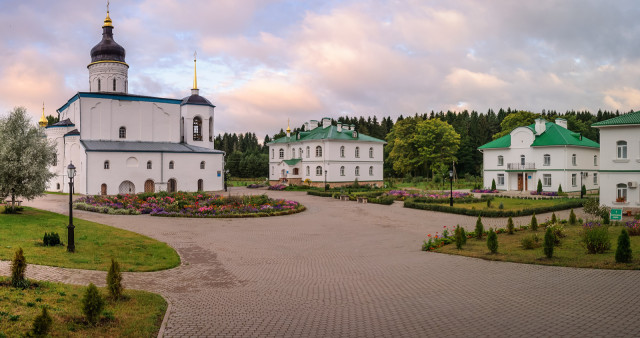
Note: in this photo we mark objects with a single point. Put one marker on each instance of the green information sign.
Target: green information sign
(616, 215)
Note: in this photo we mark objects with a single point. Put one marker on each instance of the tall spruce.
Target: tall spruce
(549, 242)
(534, 222)
(492, 241)
(479, 228)
(623, 252)
(114, 280)
(18, 269)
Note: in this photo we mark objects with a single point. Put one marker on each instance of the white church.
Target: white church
(123, 144)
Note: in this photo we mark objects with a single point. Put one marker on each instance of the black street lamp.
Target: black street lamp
(451, 191)
(226, 174)
(325, 180)
(71, 173)
(582, 175)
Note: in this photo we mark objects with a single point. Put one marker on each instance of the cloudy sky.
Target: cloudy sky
(264, 61)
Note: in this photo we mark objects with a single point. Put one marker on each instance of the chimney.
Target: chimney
(540, 126)
(313, 124)
(326, 122)
(339, 127)
(562, 123)
(306, 126)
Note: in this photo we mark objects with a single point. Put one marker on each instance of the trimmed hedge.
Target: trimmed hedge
(428, 200)
(386, 200)
(320, 193)
(577, 203)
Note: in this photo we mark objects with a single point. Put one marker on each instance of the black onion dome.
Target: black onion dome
(107, 49)
(196, 99)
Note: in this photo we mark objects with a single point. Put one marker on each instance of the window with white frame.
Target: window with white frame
(202, 164)
(547, 160)
(308, 171)
(149, 165)
(522, 159)
(171, 165)
(357, 171)
(595, 160)
(622, 149)
(574, 160)
(546, 180)
(342, 151)
(318, 151)
(357, 152)
(122, 132)
(281, 153)
(500, 160)
(300, 152)
(308, 152)
(106, 164)
(293, 153)
(574, 180)
(371, 152)
(622, 192)
(595, 178)
(318, 171)
(273, 153)
(371, 171)
(500, 179)
(342, 171)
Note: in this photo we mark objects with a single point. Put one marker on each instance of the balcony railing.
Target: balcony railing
(520, 166)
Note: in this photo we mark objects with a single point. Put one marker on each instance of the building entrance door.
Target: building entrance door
(127, 187)
(520, 183)
(103, 189)
(149, 186)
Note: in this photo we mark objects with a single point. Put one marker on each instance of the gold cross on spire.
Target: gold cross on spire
(107, 6)
(195, 77)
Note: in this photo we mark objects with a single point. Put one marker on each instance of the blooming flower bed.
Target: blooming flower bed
(182, 204)
(277, 187)
(485, 191)
(403, 194)
(633, 227)
(545, 193)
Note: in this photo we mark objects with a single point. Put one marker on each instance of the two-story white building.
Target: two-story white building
(124, 143)
(620, 161)
(326, 154)
(544, 151)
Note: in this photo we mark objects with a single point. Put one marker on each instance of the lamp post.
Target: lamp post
(71, 173)
(226, 173)
(451, 185)
(582, 175)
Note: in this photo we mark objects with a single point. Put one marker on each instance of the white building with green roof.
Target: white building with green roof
(326, 154)
(620, 161)
(544, 151)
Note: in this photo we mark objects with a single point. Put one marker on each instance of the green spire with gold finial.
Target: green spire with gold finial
(43, 120)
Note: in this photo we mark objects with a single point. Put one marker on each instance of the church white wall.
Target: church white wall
(616, 171)
(105, 73)
(144, 121)
(132, 166)
(205, 113)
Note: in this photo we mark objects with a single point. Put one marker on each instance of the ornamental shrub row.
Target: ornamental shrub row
(470, 199)
(577, 203)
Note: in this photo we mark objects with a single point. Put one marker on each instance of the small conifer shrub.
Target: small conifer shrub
(560, 190)
(492, 241)
(534, 222)
(489, 203)
(572, 218)
(92, 304)
(479, 228)
(114, 280)
(501, 206)
(493, 184)
(583, 191)
(510, 227)
(459, 237)
(51, 239)
(42, 323)
(623, 252)
(539, 189)
(549, 242)
(554, 219)
(18, 268)
(464, 235)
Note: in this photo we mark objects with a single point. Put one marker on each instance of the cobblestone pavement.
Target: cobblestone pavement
(342, 269)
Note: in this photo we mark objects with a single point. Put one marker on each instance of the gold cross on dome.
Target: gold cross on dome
(107, 6)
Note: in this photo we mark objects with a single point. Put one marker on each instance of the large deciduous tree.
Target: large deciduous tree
(403, 154)
(25, 156)
(437, 144)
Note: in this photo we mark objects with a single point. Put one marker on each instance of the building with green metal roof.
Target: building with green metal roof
(620, 161)
(544, 151)
(323, 153)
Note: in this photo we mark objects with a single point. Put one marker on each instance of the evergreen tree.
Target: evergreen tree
(572, 218)
(539, 190)
(92, 304)
(510, 226)
(114, 280)
(549, 242)
(623, 251)
(493, 184)
(492, 241)
(534, 222)
(479, 228)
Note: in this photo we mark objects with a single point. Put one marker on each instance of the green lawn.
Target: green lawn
(95, 244)
(570, 252)
(512, 204)
(140, 314)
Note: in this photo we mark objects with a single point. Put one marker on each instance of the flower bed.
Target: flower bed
(545, 193)
(277, 187)
(633, 227)
(485, 191)
(404, 194)
(183, 204)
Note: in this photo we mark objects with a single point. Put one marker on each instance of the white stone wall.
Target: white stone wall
(107, 72)
(189, 112)
(615, 171)
(132, 166)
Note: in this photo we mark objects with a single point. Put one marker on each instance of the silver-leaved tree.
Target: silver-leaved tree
(25, 156)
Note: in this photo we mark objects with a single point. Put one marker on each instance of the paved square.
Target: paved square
(342, 269)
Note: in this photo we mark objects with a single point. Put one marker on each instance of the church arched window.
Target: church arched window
(171, 165)
(202, 165)
(371, 152)
(122, 132)
(281, 153)
(99, 85)
(357, 152)
(149, 165)
(114, 85)
(308, 152)
(106, 164)
(318, 151)
(197, 129)
(342, 151)
(210, 129)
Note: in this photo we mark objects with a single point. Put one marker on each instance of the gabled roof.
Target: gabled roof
(329, 133)
(63, 123)
(631, 118)
(128, 146)
(554, 135)
(74, 132)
